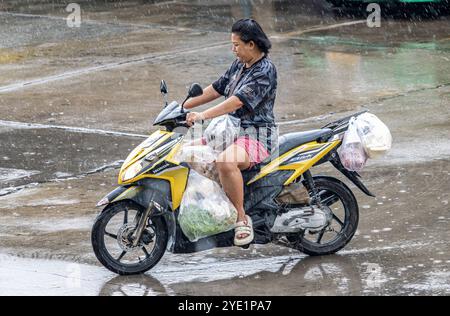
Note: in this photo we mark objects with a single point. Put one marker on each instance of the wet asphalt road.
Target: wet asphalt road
(74, 102)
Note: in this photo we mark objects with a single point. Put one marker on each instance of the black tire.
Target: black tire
(156, 224)
(328, 185)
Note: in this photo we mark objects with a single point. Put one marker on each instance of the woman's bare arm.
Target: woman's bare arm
(229, 105)
(209, 94)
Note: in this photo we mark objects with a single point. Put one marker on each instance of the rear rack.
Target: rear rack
(343, 121)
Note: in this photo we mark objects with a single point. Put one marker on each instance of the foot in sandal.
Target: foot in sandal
(243, 232)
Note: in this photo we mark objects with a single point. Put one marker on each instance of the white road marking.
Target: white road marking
(96, 22)
(137, 59)
(316, 29)
(21, 125)
(124, 63)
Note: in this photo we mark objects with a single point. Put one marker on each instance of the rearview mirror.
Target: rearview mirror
(195, 90)
(163, 87)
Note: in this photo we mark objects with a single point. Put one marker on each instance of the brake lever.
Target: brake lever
(184, 124)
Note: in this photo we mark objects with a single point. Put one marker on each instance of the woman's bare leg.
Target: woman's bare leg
(229, 164)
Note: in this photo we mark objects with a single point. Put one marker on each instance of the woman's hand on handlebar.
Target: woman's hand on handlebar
(193, 117)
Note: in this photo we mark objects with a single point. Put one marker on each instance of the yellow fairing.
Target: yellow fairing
(317, 151)
(177, 176)
(142, 150)
(128, 194)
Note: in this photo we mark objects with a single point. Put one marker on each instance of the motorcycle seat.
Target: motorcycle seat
(289, 141)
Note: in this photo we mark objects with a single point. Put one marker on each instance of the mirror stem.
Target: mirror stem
(182, 104)
(165, 99)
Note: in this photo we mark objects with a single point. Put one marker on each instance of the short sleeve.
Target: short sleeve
(255, 90)
(220, 84)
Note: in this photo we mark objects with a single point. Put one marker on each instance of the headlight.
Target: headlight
(151, 158)
(132, 171)
(137, 167)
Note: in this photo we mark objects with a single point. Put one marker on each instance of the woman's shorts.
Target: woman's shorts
(255, 150)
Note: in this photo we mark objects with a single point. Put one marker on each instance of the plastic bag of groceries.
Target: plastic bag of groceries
(200, 158)
(351, 152)
(222, 132)
(375, 135)
(205, 209)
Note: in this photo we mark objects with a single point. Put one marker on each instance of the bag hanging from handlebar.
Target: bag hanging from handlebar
(351, 152)
(205, 209)
(222, 132)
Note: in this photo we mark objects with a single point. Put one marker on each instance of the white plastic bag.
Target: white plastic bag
(222, 132)
(196, 153)
(351, 152)
(375, 135)
(205, 209)
(201, 158)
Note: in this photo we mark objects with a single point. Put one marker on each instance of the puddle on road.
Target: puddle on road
(359, 273)
(38, 226)
(34, 197)
(9, 174)
(41, 155)
(37, 30)
(434, 282)
(44, 277)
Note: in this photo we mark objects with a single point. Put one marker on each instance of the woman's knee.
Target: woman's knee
(225, 167)
(233, 157)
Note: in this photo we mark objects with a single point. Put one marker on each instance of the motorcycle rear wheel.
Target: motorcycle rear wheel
(332, 192)
(112, 247)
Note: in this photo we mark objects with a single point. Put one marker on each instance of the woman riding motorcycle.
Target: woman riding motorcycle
(249, 87)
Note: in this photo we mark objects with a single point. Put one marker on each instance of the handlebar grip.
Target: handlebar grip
(186, 124)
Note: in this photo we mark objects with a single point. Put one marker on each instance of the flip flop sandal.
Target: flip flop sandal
(243, 228)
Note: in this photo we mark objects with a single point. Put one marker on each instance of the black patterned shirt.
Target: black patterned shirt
(256, 88)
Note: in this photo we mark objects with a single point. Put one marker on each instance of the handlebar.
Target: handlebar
(185, 124)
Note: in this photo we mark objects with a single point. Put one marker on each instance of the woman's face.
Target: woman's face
(243, 51)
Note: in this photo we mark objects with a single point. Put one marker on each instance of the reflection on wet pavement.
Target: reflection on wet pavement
(362, 272)
(56, 154)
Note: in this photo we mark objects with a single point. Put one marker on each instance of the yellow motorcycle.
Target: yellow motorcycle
(317, 215)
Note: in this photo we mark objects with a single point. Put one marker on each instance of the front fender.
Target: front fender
(143, 193)
(111, 196)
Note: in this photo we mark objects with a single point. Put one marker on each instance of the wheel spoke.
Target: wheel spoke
(125, 217)
(121, 255)
(110, 235)
(319, 238)
(338, 220)
(146, 252)
(330, 200)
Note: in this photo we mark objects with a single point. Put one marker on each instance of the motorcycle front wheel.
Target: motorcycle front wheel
(112, 239)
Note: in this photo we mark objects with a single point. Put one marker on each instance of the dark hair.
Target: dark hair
(249, 30)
